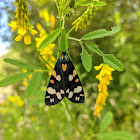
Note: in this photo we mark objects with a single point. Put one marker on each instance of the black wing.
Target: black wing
(74, 89)
(55, 90)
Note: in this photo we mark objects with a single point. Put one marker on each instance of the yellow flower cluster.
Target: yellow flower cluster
(26, 80)
(104, 77)
(17, 100)
(44, 14)
(14, 100)
(22, 22)
(3, 111)
(84, 19)
(48, 50)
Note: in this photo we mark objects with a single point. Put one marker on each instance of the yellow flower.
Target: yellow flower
(39, 27)
(104, 77)
(84, 19)
(26, 80)
(32, 118)
(52, 20)
(44, 14)
(27, 39)
(22, 22)
(47, 55)
(12, 99)
(20, 103)
(18, 38)
(22, 31)
(13, 25)
(3, 111)
(48, 50)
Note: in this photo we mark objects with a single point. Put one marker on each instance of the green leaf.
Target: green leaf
(63, 41)
(86, 60)
(37, 101)
(93, 47)
(20, 64)
(105, 136)
(109, 138)
(14, 78)
(83, 3)
(112, 61)
(41, 93)
(122, 135)
(49, 39)
(116, 135)
(99, 3)
(100, 33)
(106, 121)
(33, 85)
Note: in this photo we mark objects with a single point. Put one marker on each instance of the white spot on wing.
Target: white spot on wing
(70, 94)
(47, 97)
(78, 89)
(50, 100)
(53, 72)
(70, 77)
(62, 91)
(77, 98)
(58, 78)
(58, 95)
(67, 91)
(51, 90)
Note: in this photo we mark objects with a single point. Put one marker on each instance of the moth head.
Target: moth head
(64, 52)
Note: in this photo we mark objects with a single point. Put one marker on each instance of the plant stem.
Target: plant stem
(73, 119)
(72, 38)
(33, 45)
(71, 30)
(63, 23)
(92, 125)
(91, 136)
(57, 5)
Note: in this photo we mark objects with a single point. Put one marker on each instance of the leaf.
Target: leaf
(122, 135)
(112, 61)
(105, 136)
(100, 33)
(116, 135)
(20, 64)
(109, 138)
(106, 121)
(63, 41)
(86, 60)
(37, 101)
(83, 3)
(14, 78)
(49, 39)
(33, 85)
(99, 3)
(41, 93)
(93, 47)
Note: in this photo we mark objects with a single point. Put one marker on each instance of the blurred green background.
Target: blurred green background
(20, 120)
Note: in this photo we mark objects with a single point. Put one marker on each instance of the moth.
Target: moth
(64, 82)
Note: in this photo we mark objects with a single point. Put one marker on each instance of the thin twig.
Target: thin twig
(33, 45)
(92, 125)
(73, 119)
(71, 30)
(72, 38)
